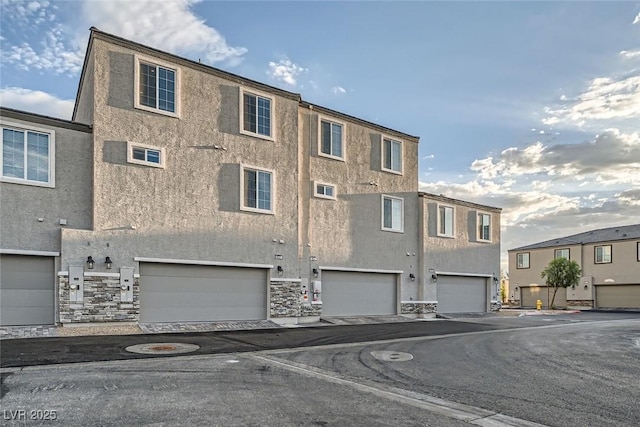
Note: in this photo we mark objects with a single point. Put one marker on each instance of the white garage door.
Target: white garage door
(196, 293)
(462, 294)
(346, 293)
(26, 290)
(618, 296)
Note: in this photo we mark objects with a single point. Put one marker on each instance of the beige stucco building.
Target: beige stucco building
(182, 193)
(609, 259)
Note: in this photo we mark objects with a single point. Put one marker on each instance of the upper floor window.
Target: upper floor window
(256, 114)
(147, 155)
(445, 221)
(324, 191)
(561, 253)
(391, 155)
(28, 156)
(257, 189)
(331, 139)
(603, 254)
(392, 214)
(484, 227)
(156, 87)
(523, 260)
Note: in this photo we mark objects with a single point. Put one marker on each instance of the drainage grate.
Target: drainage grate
(392, 356)
(162, 348)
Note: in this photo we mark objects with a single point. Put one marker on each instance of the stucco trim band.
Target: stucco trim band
(275, 279)
(26, 252)
(88, 273)
(201, 262)
(360, 270)
(418, 302)
(449, 273)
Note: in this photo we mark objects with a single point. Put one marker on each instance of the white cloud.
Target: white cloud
(637, 19)
(630, 53)
(285, 71)
(36, 101)
(430, 156)
(337, 90)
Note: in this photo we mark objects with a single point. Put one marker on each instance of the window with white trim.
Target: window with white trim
(28, 155)
(324, 191)
(392, 214)
(156, 87)
(256, 114)
(561, 253)
(331, 139)
(446, 220)
(522, 260)
(391, 155)
(257, 189)
(147, 155)
(602, 254)
(484, 227)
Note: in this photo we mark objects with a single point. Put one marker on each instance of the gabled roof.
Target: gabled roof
(612, 234)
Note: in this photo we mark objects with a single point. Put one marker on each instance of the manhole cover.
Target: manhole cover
(392, 356)
(162, 348)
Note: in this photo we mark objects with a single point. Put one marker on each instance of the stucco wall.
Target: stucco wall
(624, 268)
(538, 260)
(22, 205)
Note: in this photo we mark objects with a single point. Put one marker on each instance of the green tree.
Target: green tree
(561, 273)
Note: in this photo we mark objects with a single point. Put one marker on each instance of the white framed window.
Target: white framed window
(324, 191)
(561, 253)
(522, 260)
(147, 155)
(256, 114)
(258, 187)
(638, 251)
(391, 155)
(446, 221)
(157, 86)
(392, 214)
(28, 155)
(331, 138)
(484, 227)
(602, 254)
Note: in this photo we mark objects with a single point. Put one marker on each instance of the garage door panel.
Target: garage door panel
(529, 296)
(460, 294)
(27, 298)
(618, 296)
(358, 294)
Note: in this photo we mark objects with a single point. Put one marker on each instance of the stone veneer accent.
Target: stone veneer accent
(286, 301)
(418, 307)
(101, 301)
(580, 303)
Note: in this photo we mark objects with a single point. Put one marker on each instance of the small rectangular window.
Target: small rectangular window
(561, 253)
(257, 190)
(142, 154)
(484, 227)
(391, 155)
(392, 214)
(256, 115)
(603, 254)
(324, 191)
(523, 260)
(157, 87)
(445, 221)
(28, 156)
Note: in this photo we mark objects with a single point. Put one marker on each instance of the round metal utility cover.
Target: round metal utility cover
(392, 356)
(162, 348)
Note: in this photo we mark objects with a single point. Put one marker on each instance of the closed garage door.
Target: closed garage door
(460, 294)
(26, 290)
(358, 294)
(533, 293)
(618, 296)
(196, 293)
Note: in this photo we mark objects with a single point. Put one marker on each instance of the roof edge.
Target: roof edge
(446, 199)
(45, 120)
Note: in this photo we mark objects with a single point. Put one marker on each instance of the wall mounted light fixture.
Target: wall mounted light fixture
(90, 262)
(434, 277)
(108, 263)
(280, 270)
(315, 272)
(412, 277)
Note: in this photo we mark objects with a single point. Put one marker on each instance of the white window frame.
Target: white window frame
(479, 234)
(132, 145)
(440, 219)
(271, 211)
(595, 254)
(638, 251)
(272, 114)
(323, 195)
(383, 155)
(395, 230)
(136, 96)
(51, 182)
(342, 143)
(555, 253)
(520, 264)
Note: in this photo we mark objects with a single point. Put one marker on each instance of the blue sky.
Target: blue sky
(529, 106)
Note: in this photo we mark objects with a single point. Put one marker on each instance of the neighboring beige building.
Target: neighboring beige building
(610, 263)
(182, 193)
